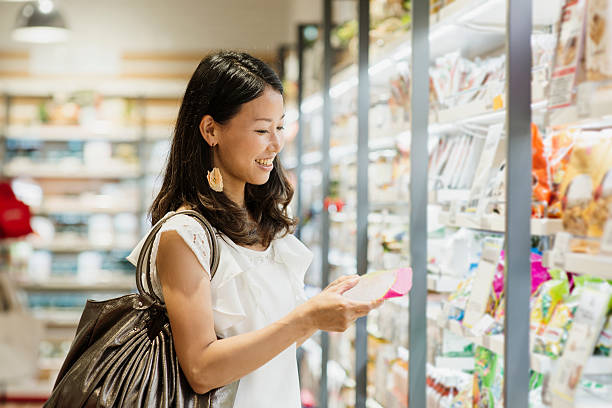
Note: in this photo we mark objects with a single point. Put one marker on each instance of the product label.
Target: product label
(569, 48)
(490, 158)
(483, 282)
(561, 247)
(585, 331)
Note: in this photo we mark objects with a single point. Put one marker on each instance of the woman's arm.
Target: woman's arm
(302, 339)
(209, 363)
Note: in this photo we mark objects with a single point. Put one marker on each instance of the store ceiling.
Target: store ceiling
(171, 26)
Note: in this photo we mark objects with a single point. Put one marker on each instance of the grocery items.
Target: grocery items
(539, 174)
(546, 298)
(561, 143)
(488, 375)
(598, 47)
(582, 172)
(568, 52)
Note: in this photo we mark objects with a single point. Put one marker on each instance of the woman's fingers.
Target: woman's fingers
(363, 308)
(342, 281)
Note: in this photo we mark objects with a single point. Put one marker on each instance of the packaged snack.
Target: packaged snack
(457, 300)
(599, 210)
(548, 295)
(561, 145)
(539, 274)
(553, 337)
(539, 175)
(598, 50)
(487, 371)
(583, 171)
(570, 44)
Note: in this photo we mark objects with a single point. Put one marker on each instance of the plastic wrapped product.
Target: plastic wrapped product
(598, 48)
(548, 296)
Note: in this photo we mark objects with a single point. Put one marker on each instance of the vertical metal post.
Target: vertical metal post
(5, 130)
(419, 115)
(325, 169)
(518, 202)
(300, 134)
(363, 109)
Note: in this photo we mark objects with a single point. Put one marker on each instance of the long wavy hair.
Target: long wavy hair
(221, 83)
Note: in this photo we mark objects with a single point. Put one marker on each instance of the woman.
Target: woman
(224, 164)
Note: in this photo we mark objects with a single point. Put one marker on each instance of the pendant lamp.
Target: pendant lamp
(40, 22)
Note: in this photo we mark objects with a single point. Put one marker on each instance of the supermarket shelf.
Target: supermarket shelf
(455, 363)
(442, 283)
(477, 113)
(452, 118)
(50, 363)
(57, 318)
(475, 27)
(79, 207)
(72, 172)
(117, 284)
(111, 87)
(596, 365)
(32, 391)
(374, 218)
(71, 133)
(158, 133)
(448, 195)
(78, 245)
(594, 265)
(496, 223)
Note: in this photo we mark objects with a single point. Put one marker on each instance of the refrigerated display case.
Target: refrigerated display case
(486, 133)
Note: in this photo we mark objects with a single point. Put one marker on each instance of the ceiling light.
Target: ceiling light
(40, 22)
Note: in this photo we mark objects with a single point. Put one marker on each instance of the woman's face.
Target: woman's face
(248, 143)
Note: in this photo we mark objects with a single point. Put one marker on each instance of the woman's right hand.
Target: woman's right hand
(330, 311)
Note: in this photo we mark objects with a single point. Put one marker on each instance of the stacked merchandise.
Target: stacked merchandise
(571, 284)
(467, 172)
(84, 163)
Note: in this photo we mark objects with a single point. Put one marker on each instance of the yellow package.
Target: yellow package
(583, 171)
(600, 207)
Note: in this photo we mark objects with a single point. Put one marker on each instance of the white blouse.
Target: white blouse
(250, 290)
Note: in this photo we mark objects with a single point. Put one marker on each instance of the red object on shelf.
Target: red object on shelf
(308, 400)
(336, 202)
(14, 214)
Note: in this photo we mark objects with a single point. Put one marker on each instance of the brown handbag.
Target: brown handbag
(123, 354)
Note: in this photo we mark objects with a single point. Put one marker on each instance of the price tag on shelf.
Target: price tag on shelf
(561, 247)
(606, 238)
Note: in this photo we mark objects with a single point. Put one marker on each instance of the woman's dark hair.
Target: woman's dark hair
(221, 83)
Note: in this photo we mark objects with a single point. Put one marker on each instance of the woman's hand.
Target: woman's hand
(330, 311)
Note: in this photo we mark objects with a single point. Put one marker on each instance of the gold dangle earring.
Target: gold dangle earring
(215, 180)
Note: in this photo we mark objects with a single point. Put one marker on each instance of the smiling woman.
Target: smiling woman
(246, 322)
(231, 119)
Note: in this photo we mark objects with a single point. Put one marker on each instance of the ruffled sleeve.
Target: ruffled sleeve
(195, 238)
(297, 257)
(226, 287)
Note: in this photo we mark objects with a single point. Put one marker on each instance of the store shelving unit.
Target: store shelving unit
(478, 28)
(57, 299)
(599, 265)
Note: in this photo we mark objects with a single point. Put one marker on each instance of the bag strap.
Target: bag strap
(144, 268)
